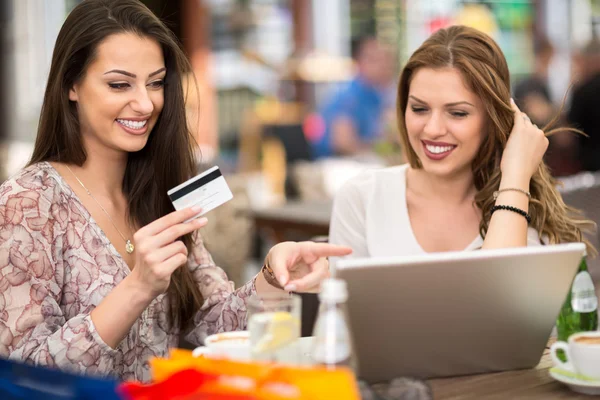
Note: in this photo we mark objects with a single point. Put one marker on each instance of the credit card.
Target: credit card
(207, 190)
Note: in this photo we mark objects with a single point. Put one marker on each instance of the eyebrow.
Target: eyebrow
(447, 105)
(120, 71)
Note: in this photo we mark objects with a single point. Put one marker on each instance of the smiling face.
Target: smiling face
(445, 121)
(121, 95)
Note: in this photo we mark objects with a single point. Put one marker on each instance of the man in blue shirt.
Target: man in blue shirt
(354, 116)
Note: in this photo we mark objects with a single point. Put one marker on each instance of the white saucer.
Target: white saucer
(577, 385)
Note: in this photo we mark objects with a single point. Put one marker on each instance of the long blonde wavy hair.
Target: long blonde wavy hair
(485, 71)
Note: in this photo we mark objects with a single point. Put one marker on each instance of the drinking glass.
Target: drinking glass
(274, 325)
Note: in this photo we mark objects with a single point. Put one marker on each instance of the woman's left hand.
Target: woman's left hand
(301, 266)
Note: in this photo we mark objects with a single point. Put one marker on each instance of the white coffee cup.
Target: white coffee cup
(583, 356)
(229, 345)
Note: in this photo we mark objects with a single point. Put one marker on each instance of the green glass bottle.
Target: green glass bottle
(580, 311)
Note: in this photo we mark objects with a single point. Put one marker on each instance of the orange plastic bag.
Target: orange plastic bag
(187, 378)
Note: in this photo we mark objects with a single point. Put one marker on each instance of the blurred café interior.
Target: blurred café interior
(270, 72)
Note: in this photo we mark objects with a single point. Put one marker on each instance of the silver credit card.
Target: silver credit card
(207, 190)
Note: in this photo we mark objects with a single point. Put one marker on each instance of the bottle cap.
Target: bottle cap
(334, 290)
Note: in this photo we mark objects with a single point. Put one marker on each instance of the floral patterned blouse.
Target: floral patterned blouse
(56, 265)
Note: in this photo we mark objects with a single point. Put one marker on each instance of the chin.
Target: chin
(438, 170)
(133, 145)
(441, 169)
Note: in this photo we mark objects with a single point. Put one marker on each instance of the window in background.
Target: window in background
(251, 40)
(30, 33)
(509, 22)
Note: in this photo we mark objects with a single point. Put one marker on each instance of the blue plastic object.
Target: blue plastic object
(24, 382)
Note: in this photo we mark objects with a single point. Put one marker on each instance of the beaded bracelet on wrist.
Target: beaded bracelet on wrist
(513, 209)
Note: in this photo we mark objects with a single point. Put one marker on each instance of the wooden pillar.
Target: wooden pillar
(302, 33)
(301, 14)
(201, 104)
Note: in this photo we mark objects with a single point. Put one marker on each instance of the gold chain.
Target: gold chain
(128, 245)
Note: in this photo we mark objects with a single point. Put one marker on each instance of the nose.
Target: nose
(142, 103)
(435, 126)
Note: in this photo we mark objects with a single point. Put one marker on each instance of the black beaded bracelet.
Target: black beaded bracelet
(513, 209)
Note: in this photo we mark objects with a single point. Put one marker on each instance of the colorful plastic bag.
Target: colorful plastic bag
(184, 377)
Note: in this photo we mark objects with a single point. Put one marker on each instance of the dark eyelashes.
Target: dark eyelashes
(157, 84)
(118, 85)
(124, 85)
(458, 114)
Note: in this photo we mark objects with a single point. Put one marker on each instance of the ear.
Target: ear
(73, 94)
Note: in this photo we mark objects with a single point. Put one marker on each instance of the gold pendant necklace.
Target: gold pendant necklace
(128, 245)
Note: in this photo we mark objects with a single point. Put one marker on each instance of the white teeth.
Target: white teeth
(133, 124)
(438, 149)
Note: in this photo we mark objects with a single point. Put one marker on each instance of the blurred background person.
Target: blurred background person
(532, 95)
(354, 116)
(585, 103)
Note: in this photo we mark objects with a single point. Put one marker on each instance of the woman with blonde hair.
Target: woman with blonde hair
(475, 176)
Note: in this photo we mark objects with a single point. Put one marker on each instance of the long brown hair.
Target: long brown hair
(485, 71)
(168, 157)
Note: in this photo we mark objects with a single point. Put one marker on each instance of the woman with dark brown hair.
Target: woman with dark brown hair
(475, 176)
(97, 272)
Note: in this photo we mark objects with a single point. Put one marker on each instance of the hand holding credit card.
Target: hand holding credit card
(207, 190)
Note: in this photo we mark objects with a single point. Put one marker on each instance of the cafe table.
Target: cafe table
(535, 383)
(308, 218)
(312, 219)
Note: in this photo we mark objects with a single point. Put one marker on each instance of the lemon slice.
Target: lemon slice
(282, 330)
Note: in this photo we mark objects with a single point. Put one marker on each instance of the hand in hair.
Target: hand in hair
(300, 267)
(524, 149)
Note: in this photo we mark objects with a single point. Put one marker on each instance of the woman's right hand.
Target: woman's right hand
(159, 253)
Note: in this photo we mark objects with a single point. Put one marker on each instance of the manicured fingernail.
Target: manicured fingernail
(196, 209)
(290, 288)
(201, 221)
(282, 279)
